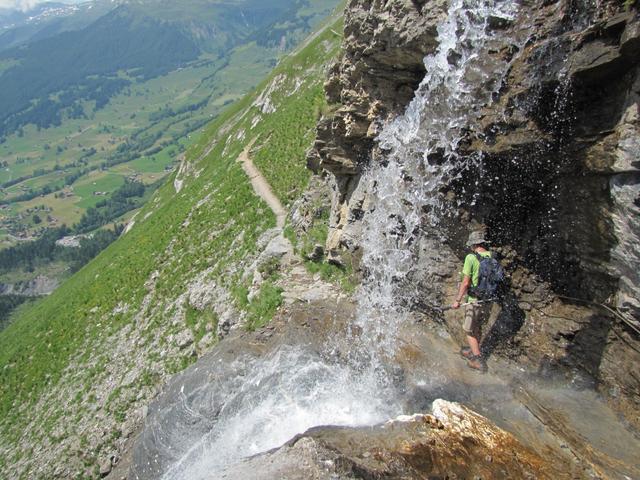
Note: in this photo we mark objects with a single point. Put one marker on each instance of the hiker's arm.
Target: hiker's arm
(462, 291)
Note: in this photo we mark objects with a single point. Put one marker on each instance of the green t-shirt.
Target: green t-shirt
(471, 269)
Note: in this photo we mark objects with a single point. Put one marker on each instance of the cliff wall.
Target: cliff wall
(557, 186)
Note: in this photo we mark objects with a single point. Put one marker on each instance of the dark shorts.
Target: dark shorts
(475, 314)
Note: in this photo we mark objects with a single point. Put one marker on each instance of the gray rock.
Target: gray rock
(278, 247)
(105, 467)
(184, 339)
(625, 191)
(385, 44)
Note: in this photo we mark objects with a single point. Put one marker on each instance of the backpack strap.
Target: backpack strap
(480, 257)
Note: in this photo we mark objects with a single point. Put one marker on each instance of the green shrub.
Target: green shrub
(263, 306)
(198, 322)
(270, 268)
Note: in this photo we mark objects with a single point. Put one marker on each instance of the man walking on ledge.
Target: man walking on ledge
(474, 290)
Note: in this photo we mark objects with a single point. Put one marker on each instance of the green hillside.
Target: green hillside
(76, 368)
(120, 125)
(83, 66)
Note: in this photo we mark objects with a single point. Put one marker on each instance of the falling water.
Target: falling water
(421, 156)
(293, 389)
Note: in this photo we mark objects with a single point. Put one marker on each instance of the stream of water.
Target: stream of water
(294, 390)
(421, 156)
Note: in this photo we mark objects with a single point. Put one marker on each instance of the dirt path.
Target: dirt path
(261, 186)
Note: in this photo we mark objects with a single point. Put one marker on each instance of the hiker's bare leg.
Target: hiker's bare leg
(474, 345)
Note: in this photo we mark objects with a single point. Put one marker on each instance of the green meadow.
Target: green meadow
(154, 121)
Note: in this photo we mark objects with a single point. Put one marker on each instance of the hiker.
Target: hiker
(481, 276)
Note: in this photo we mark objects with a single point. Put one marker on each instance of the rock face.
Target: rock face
(33, 288)
(385, 43)
(453, 442)
(558, 186)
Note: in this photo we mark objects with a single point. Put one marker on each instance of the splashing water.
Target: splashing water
(288, 393)
(293, 389)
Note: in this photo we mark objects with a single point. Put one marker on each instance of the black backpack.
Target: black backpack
(490, 279)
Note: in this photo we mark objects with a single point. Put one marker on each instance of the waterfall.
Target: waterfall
(421, 156)
(293, 389)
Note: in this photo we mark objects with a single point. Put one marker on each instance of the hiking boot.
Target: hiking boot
(477, 363)
(465, 352)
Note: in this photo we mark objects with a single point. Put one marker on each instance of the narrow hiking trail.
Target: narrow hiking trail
(261, 186)
(297, 283)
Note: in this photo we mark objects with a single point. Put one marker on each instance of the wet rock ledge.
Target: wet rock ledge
(453, 442)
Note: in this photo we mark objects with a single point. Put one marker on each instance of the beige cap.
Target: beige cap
(476, 238)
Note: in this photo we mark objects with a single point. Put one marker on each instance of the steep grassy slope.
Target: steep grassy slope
(77, 368)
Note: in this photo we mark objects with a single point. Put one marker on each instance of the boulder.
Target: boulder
(105, 467)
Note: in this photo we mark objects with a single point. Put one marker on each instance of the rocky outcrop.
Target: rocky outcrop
(558, 186)
(37, 287)
(561, 143)
(453, 442)
(385, 43)
(382, 65)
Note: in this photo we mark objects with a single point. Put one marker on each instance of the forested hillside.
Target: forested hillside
(84, 65)
(134, 42)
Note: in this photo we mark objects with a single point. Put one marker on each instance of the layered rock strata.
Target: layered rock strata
(385, 44)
